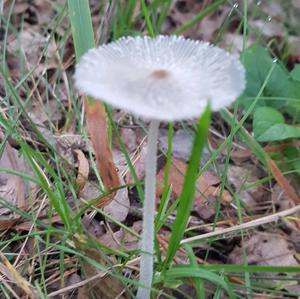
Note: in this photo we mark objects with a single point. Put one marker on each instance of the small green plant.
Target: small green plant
(281, 92)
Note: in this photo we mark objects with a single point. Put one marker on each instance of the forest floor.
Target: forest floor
(59, 240)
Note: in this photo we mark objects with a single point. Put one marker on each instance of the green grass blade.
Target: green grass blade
(181, 272)
(81, 24)
(199, 284)
(252, 269)
(147, 18)
(188, 190)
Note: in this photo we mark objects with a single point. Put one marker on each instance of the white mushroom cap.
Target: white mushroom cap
(166, 78)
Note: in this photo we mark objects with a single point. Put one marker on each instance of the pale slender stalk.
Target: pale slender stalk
(147, 247)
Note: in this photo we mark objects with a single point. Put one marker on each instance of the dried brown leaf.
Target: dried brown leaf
(283, 182)
(31, 43)
(206, 191)
(265, 249)
(240, 176)
(118, 208)
(83, 169)
(105, 287)
(122, 239)
(12, 187)
(96, 124)
(182, 143)
(138, 161)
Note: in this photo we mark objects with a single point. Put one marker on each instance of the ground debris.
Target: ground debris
(207, 190)
(264, 248)
(241, 176)
(13, 189)
(182, 142)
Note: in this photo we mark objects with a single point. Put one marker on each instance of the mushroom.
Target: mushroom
(166, 78)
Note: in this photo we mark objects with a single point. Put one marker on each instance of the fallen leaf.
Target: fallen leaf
(182, 143)
(241, 176)
(83, 169)
(283, 182)
(8, 222)
(106, 286)
(265, 249)
(96, 124)
(12, 187)
(42, 113)
(239, 155)
(293, 289)
(19, 8)
(129, 139)
(112, 239)
(57, 283)
(138, 161)
(43, 10)
(206, 192)
(118, 207)
(31, 43)
(122, 239)
(280, 199)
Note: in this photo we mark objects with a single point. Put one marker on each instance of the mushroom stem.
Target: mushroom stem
(147, 246)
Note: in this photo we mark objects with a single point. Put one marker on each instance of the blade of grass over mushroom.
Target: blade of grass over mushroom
(188, 189)
(83, 36)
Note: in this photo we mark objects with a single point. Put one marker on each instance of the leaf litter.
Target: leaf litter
(271, 246)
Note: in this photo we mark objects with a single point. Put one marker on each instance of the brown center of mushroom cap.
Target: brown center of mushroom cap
(159, 74)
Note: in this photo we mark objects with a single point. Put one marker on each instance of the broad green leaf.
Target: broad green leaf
(293, 105)
(293, 156)
(295, 73)
(258, 63)
(264, 118)
(269, 125)
(279, 132)
(294, 91)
